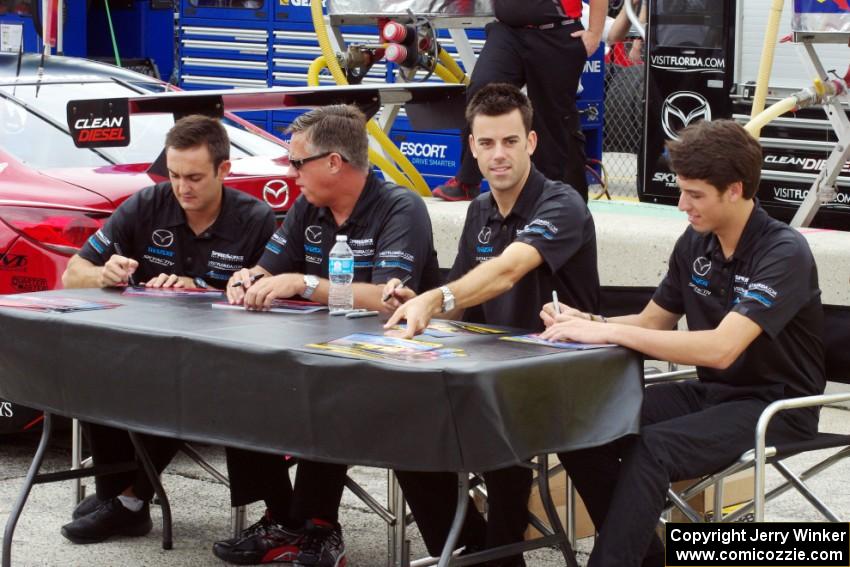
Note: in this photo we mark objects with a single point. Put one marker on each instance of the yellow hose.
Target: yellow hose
(389, 169)
(776, 110)
(315, 68)
(766, 65)
(450, 64)
(383, 163)
(415, 180)
(445, 74)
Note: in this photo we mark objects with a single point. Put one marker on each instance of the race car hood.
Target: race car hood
(264, 178)
(113, 183)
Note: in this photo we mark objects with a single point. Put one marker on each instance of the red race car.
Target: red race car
(53, 195)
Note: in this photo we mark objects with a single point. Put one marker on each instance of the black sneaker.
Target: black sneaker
(87, 505)
(322, 546)
(110, 519)
(264, 542)
(454, 190)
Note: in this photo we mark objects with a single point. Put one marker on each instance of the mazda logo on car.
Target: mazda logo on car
(702, 265)
(313, 234)
(276, 193)
(681, 109)
(484, 235)
(162, 238)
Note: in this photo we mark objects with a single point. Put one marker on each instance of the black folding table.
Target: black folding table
(177, 367)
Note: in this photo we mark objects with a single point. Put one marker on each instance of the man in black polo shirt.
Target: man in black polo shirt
(389, 231)
(527, 237)
(748, 286)
(189, 232)
(540, 44)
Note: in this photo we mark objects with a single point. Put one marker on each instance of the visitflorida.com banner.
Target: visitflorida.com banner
(779, 544)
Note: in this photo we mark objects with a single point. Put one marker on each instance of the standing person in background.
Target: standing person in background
(540, 44)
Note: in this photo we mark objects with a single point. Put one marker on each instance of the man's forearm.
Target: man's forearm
(695, 348)
(81, 273)
(484, 282)
(366, 295)
(598, 12)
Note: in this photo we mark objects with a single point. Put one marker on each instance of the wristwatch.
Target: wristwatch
(310, 285)
(448, 299)
(200, 283)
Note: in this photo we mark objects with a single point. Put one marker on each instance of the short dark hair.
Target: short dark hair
(719, 152)
(497, 99)
(339, 128)
(198, 130)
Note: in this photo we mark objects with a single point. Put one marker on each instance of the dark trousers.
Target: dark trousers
(433, 497)
(109, 446)
(549, 63)
(687, 430)
(262, 476)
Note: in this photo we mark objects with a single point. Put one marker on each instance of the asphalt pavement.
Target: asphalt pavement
(201, 512)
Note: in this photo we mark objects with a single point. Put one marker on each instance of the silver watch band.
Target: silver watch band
(310, 285)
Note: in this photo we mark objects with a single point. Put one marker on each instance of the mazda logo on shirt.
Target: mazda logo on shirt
(276, 193)
(162, 238)
(702, 265)
(681, 109)
(484, 235)
(313, 234)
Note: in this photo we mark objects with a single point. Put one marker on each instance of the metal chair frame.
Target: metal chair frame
(760, 457)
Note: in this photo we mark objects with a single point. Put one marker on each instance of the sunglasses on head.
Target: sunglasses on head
(297, 164)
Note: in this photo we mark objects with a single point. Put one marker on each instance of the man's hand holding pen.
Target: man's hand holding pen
(239, 283)
(394, 293)
(118, 270)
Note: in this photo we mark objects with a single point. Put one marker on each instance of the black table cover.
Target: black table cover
(177, 367)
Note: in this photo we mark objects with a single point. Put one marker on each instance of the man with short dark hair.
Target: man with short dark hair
(527, 237)
(389, 232)
(748, 286)
(188, 232)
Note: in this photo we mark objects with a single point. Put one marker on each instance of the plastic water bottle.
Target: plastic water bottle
(341, 272)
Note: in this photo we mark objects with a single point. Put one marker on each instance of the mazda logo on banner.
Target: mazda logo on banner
(681, 109)
(276, 193)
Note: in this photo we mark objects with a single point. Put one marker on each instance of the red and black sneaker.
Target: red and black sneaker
(264, 542)
(454, 190)
(322, 546)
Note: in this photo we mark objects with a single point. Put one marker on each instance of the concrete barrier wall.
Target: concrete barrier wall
(635, 240)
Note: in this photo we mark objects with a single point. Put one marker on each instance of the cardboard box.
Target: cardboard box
(736, 489)
(558, 488)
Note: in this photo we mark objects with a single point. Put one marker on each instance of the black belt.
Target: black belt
(551, 25)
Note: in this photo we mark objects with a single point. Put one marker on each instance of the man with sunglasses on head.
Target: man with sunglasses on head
(389, 231)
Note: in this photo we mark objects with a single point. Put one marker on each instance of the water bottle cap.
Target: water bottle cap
(341, 238)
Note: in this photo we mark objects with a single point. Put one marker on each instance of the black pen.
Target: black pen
(403, 281)
(252, 279)
(130, 279)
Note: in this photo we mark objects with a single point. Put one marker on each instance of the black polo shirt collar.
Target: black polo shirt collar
(527, 200)
(360, 214)
(749, 237)
(226, 225)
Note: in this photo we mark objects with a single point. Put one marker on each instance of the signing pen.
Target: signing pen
(130, 279)
(402, 283)
(555, 305)
(252, 279)
(359, 314)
